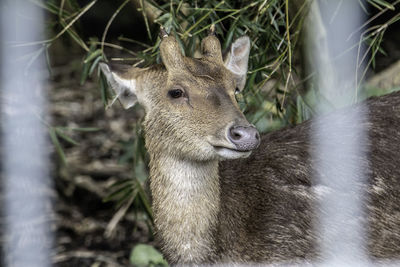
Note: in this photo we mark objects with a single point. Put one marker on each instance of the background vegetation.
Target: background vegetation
(277, 92)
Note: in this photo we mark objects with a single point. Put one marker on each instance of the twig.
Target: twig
(103, 38)
(289, 52)
(117, 217)
(111, 262)
(84, 10)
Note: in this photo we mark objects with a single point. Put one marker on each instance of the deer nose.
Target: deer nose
(245, 138)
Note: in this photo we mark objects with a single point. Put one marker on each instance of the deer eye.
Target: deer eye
(237, 91)
(176, 93)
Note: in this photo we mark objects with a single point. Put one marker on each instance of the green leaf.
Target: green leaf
(79, 129)
(65, 137)
(382, 3)
(93, 55)
(103, 89)
(123, 181)
(145, 255)
(94, 65)
(145, 201)
(122, 191)
(85, 72)
(86, 129)
(57, 145)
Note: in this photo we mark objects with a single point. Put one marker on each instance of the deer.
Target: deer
(221, 192)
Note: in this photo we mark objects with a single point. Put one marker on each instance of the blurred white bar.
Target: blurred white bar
(340, 139)
(26, 184)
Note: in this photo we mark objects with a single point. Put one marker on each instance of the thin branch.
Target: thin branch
(84, 10)
(103, 38)
(289, 51)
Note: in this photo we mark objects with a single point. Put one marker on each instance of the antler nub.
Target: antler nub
(163, 32)
(211, 31)
(211, 47)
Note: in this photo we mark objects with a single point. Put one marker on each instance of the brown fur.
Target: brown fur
(271, 205)
(261, 208)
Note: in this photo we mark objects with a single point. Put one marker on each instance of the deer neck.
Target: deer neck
(186, 203)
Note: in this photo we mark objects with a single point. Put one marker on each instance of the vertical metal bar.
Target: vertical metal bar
(26, 185)
(340, 139)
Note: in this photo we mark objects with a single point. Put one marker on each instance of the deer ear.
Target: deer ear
(124, 88)
(237, 59)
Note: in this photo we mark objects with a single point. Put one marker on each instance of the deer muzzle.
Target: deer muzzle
(245, 138)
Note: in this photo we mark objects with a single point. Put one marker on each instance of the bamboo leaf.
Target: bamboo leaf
(121, 191)
(57, 145)
(381, 3)
(65, 137)
(94, 65)
(93, 55)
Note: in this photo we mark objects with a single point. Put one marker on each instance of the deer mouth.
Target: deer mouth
(231, 153)
(237, 142)
(239, 150)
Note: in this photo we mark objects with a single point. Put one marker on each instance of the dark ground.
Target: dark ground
(92, 167)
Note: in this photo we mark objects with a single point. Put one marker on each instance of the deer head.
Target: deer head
(191, 110)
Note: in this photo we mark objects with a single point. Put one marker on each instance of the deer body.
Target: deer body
(272, 205)
(246, 209)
